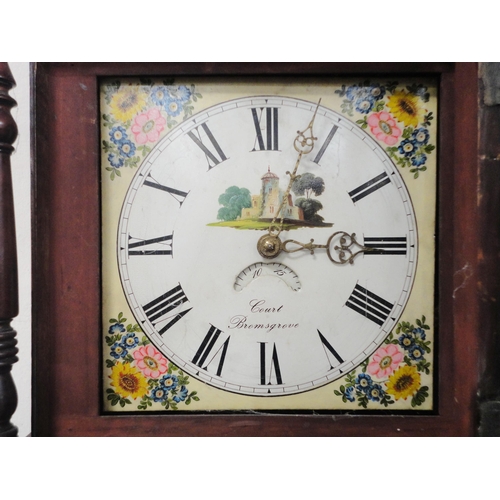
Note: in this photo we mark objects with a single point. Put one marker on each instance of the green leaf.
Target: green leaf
(407, 132)
(342, 91)
(114, 400)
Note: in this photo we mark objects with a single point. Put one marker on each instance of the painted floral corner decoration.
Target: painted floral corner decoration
(141, 373)
(394, 371)
(395, 116)
(139, 115)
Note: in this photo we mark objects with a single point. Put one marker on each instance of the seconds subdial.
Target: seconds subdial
(260, 269)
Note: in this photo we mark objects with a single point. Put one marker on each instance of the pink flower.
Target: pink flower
(384, 128)
(150, 361)
(385, 360)
(148, 126)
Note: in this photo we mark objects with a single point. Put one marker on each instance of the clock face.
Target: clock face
(187, 242)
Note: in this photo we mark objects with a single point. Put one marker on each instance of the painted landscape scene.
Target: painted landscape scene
(242, 210)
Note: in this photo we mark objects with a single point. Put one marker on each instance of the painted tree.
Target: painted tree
(233, 200)
(308, 184)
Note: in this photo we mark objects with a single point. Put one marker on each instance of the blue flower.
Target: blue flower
(118, 351)
(421, 136)
(116, 328)
(180, 94)
(375, 393)
(407, 147)
(365, 96)
(419, 159)
(172, 98)
(127, 148)
(354, 92)
(419, 333)
(182, 395)
(130, 341)
(406, 341)
(377, 92)
(118, 135)
(416, 352)
(169, 382)
(365, 104)
(364, 382)
(160, 95)
(349, 393)
(173, 107)
(115, 160)
(159, 394)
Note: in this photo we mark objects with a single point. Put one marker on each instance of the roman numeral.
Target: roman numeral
(265, 379)
(368, 304)
(328, 346)
(158, 310)
(206, 348)
(385, 245)
(214, 155)
(271, 128)
(162, 241)
(180, 196)
(369, 187)
(325, 144)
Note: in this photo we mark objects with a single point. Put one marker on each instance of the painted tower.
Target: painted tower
(266, 205)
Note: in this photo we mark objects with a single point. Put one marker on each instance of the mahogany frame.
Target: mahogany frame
(66, 259)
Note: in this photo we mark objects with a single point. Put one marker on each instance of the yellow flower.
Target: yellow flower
(127, 102)
(128, 381)
(405, 108)
(404, 382)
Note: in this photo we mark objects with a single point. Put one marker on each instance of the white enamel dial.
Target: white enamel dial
(189, 228)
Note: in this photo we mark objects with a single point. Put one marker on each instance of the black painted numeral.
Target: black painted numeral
(265, 378)
(207, 346)
(179, 195)
(271, 127)
(369, 187)
(158, 310)
(385, 245)
(158, 246)
(328, 346)
(325, 144)
(214, 153)
(368, 304)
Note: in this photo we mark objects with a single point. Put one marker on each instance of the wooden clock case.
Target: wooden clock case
(66, 259)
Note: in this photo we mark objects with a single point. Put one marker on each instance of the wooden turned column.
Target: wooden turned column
(9, 307)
